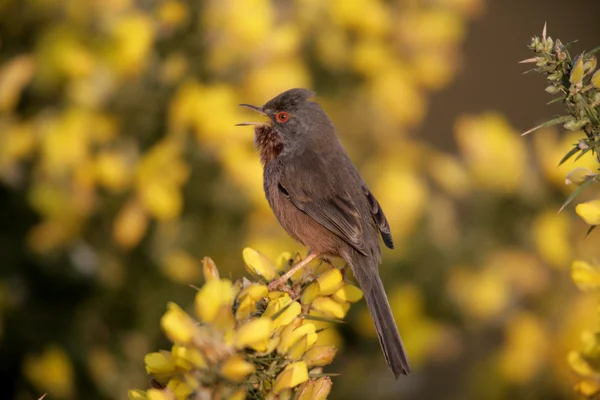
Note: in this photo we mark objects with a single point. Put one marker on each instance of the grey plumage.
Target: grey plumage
(321, 200)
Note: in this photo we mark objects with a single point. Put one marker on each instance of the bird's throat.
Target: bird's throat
(268, 142)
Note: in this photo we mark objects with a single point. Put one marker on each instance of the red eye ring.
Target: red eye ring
(282, 117)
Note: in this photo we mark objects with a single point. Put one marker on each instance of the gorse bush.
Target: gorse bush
(576, 83)
(247, 342)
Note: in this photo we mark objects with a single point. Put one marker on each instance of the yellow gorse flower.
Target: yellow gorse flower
(245, 341)
(590, 212)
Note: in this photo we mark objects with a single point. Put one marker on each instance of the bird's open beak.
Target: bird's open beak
(258, 110)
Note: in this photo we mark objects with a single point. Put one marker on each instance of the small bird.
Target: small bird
(321, 200)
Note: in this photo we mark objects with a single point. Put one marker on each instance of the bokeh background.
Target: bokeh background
(120, 168)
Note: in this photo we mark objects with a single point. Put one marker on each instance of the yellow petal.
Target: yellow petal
(259, 265)
(162, 199)
(187, 358)
(585, 276)
(212, 298)
(210, 270)
(159, 363)
(178, 326)
(283, 261)
(255, 291)
(257, 330)
(330, 281)
(590, 212)
(156, 394)
(579, 364)
(348, 293)
(130, 225)
(298, 349)
(322, 388)
(236, 368)
(291, 335)
(136, 395)
(319, 356)
(180, 389)
(287, 316)
(246, 308)
(291, 376)
(329, 307)
(310, 293)
(589, 389)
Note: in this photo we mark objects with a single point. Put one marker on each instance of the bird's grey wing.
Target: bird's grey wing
(379, 218)
(313, 189)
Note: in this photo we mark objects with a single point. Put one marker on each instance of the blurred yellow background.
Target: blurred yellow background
(120, 168)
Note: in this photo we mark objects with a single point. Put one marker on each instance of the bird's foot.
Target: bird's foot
(280, 283)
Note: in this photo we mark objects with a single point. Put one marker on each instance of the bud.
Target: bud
(259, 265)
(209, 269)
(330, 281)
(305, 391)
(291, 376)
(322, 388)
(589, 65)
(596, 79)
(578, 175)
(236, 369)
(589, 211)
(329, 307)
(577, 71)
(552, 89)
(319, 356)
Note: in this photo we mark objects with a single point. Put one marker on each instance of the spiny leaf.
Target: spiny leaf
(590, 230)
(556, 100)
(570, 154)
(322, 374)
(555, 121)
(568, 44)
(278, 313)
(323, 319)
(593, 51)
(576, 193)
(582, 153)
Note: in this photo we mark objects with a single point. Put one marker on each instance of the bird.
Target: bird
(321, 200)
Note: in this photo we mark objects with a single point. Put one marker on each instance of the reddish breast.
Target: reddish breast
(268, 142)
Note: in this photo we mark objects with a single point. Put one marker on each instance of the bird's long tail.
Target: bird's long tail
(365, 272)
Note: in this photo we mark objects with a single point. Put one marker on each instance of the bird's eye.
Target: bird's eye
(282, 117)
